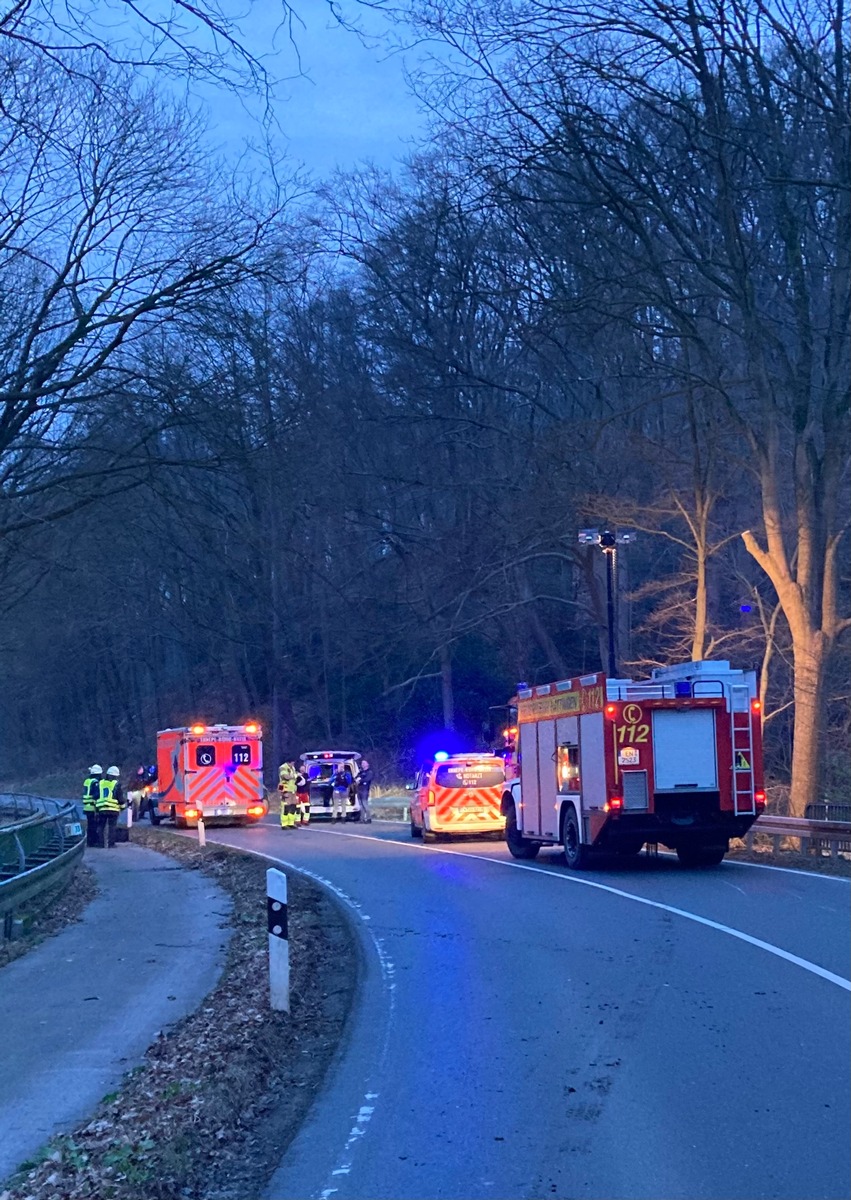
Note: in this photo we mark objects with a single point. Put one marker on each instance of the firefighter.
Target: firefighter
(342, 786)
(287, 787)
(302, 792)
(91, 795)
(110, 803)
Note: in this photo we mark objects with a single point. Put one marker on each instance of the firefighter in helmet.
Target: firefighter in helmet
(110, 804)
(287, 775)
(91, 795)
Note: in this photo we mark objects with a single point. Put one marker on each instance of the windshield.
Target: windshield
(469, 775)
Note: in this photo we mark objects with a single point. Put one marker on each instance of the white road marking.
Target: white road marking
(778, 951)
(388, 978)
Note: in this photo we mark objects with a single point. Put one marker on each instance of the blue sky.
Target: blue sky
(352, 103)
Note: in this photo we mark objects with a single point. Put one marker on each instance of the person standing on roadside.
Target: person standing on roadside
(342, 786)
(91, 796)
(110, 803)
(287, 787)
(364, 783)
(302, 795)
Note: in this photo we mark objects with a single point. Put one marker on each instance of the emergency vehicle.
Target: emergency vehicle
(320, 767)
(458, 794)
(610, 764)
(209, 771)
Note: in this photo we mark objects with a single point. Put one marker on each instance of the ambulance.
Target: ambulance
(209, 771)
(458, 794)
(612, 764)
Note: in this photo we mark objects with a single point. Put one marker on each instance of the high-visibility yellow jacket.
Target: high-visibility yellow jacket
(110, 797)
(286, 777)
(91, 792)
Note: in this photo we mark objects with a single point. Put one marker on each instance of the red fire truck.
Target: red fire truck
(209, 771)
(609, 764)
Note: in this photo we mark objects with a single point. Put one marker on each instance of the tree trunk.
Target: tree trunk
(446, 690)
(809, 655)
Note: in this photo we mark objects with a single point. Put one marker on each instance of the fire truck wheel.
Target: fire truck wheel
(575, 854)
(518, 846)
(701, 856)
(154, 815)
(416, 830)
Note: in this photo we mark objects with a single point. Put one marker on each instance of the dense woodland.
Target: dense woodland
(319, 452)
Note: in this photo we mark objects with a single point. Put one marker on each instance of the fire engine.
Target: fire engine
(612, 764)
(209, 771)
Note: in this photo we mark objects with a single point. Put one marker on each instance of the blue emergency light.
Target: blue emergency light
(682, 688)
(441, 756)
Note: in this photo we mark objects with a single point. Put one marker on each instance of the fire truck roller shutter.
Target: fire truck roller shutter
(592, 761)
(684, 753)
(528, 819)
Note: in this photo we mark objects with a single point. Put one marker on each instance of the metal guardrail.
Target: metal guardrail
(817, 835)
(41, 842)
(825, 811)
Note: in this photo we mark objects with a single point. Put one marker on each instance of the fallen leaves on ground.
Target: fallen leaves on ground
(219, 1096)
(49, 913)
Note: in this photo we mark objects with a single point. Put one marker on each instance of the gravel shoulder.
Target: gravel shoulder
(220, 1094)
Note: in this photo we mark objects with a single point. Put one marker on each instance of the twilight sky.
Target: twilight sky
(352, 103)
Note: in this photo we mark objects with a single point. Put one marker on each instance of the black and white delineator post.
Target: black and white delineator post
(279, 945)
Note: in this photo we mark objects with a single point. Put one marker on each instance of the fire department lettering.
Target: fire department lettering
(586, 700)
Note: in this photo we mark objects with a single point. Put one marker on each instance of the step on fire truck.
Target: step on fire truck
(612, 764)
(214, 772)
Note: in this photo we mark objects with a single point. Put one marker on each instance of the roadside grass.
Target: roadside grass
(211, 1110)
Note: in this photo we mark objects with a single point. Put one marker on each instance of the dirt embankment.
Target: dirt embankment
(221, 1094)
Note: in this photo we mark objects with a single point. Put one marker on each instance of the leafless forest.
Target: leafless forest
(319, 453)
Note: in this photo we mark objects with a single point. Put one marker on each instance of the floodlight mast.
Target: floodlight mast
(608, 543)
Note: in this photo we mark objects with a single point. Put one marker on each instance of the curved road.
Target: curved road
(523, 1031)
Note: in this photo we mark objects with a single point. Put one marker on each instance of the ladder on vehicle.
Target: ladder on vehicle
(744, 799)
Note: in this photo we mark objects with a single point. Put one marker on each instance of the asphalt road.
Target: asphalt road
(523, 1031)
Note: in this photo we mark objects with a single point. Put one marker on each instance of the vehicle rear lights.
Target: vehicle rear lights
(431, 798)
(611, 711)
(199, 728)
(759, 797)
(615, 804)
(756, 706)
(257, 810)
(192, 813)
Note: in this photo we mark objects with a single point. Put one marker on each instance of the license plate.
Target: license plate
(224, 811)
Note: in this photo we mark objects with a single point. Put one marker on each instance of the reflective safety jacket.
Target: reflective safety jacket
(286, 778)
(91, 792)
(109, 799)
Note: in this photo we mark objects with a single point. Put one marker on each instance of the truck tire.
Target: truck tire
(575, 854)
(701, 856)
(416, 830)
(518, 846)
(154, 815)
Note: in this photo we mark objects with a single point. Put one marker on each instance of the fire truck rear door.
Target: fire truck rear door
(684, 752)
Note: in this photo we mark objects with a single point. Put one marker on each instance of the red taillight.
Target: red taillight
(615, 804)
(611, 711)
(756, 706)
(257, 810)
(192, 813)
(759, 797)
(431, 800)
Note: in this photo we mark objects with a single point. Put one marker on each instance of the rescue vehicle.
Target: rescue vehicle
(209, 771)
(612, 764)
(320, 767)
(458, 794)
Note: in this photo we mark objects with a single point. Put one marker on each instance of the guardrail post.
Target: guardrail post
(279, 945)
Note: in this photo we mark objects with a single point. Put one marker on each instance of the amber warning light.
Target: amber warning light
(252, 727)
(199, 728)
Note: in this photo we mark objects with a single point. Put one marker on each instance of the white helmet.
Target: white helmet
(113, 772)
(96, 769)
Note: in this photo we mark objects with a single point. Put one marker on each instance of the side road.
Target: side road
(82, 1008)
